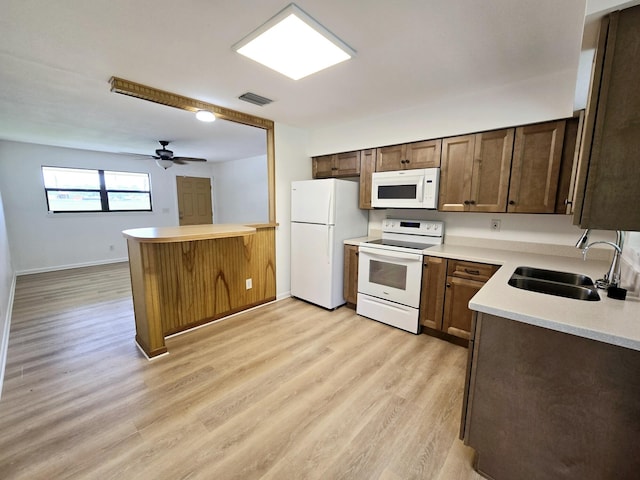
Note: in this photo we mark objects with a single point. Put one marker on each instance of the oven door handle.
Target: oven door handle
(390, 254)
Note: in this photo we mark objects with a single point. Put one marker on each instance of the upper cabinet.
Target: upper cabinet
(337, 165)
(367, 167)
(409, 156)
(607, 194)
(475, 172)
(535, 170)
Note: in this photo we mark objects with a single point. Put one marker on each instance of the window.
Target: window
(82, 190)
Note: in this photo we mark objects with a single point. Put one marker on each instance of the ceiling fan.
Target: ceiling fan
(165, 159)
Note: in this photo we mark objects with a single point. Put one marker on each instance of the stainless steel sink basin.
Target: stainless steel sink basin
(554, 276)
(551, 282)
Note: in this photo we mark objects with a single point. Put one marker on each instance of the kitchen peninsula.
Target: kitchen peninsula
(182, 277)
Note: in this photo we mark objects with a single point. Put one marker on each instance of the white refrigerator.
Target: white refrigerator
(324, 213)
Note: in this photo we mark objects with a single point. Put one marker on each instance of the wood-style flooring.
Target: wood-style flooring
(286, 391)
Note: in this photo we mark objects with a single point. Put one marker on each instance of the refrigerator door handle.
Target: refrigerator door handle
(330, 221)
(329, 245)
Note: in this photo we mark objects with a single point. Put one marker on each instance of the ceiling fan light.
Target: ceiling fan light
(205, 116)
(164, 163)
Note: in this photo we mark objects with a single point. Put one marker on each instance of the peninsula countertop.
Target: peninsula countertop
(187, 233)
(611, 321)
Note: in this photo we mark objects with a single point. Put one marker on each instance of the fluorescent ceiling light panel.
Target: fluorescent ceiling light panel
(294, 44)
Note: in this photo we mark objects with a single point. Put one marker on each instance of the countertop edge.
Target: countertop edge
(172, 234)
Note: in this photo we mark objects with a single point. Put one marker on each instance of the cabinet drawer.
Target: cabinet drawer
(470, 270)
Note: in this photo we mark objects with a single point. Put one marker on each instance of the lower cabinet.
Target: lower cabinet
(447, 287)
(350, 284)
(543, 404)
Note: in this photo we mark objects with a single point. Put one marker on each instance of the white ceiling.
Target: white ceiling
(57, 57)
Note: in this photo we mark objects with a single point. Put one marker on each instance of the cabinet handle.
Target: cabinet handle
(568, 202)
(425, 265)
(466, 202)
(472, 202)
(448, 285)
(512, 202)
(472, 272)
(357, 254)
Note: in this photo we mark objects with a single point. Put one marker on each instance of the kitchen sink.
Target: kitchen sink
(552, 282)
(554, 276)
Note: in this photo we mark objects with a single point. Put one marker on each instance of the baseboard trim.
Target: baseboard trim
(282, 296)
(70, 266)
(4, 340)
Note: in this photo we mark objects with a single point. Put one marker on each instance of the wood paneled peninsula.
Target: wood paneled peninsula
(182, 277)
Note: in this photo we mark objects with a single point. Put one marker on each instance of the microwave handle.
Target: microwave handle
(423, 180)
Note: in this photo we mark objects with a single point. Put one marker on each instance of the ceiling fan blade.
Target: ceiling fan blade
(188, 159)
(137, 155)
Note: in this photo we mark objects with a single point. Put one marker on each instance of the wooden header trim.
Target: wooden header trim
(151, 94)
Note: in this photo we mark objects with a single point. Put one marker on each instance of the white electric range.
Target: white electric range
(390, 271)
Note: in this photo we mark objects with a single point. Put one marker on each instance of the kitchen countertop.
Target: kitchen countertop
(187, 233)
(611, 321)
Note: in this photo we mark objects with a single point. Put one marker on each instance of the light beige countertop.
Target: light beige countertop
(187, 233)
(612, 321)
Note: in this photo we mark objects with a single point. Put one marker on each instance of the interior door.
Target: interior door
(194, 200)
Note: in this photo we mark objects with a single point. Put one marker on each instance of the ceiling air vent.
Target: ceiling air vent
(255, 99)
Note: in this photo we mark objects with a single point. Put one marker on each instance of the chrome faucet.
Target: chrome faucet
(612, 277)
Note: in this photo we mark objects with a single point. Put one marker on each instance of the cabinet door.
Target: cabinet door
(608, 194)
(491, 170)
(423, 154)
(457, 316)
(367, 167)
(434, 277)
(536, 168)
(350, 285)
(390, 158)
(455, 173)
(323, 166)
(347, 164)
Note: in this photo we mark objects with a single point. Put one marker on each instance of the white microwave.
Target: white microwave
(406, 189)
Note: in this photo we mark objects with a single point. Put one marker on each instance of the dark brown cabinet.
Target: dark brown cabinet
(475, 172)
(424, 154)
(543, 404)
(607, 194)
(535, 169)
(337, 165)
(447, 287)
(350, 285)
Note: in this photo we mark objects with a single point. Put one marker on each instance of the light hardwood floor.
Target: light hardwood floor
(287, 391)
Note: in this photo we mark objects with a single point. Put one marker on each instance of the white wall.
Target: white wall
(41, 241)
(240, 191)
(292, 163)
(7, 288)
(531, 101)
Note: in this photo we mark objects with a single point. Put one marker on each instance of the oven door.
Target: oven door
(391, 275)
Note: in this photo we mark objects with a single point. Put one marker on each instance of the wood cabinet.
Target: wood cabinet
(447, 287)
(475, 172)
(535, 169)
(434, 278)
(350, 284)
(543, 404)
(607, 192)
(367, 167)
(337, 165)
(424, 154)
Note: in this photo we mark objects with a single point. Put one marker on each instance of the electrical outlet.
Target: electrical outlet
(249, 283)
(495, 225)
